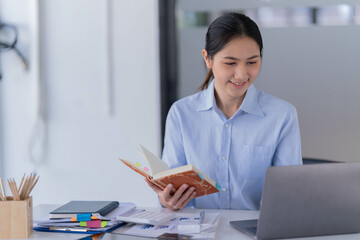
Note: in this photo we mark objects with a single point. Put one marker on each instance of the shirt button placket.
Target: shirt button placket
(224, 167)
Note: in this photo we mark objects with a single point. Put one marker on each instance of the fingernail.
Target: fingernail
(192, 189)
(194, 193)
(185, 186)
(170, 185)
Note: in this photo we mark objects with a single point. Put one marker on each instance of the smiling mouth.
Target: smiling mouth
(238, 84)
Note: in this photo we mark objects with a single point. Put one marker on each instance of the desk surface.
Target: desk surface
(224, 230)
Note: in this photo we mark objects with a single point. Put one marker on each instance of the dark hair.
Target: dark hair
(225, 28)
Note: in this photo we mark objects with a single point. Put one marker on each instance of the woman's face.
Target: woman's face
(235, 68)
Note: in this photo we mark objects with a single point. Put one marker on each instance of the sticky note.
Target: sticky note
(146, 169)
(83, 224)
(83, 217)
(201, 176)
(74, 219)
(137, 164)
(93, 224)
(218, 186)
(104, 223)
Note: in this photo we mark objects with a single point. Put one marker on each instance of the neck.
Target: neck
(228, 105)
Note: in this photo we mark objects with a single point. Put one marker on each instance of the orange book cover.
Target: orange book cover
(161, 175)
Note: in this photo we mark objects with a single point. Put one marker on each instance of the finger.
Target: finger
(175, 198)
(167, 192)
(184, 197)
(191, 197)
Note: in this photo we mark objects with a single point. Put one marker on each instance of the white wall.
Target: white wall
(84, 141)
(317, 69)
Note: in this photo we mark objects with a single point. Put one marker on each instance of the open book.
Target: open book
(162, 175)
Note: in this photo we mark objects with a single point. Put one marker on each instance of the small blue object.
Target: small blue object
(83, 217)
(201, 176)
(218, 186)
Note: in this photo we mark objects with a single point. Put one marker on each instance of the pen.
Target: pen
(202, 215)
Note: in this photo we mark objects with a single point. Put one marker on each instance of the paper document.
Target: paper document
(208, 227)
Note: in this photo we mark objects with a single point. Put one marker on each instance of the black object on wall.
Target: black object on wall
(168, 58)
(11, 43)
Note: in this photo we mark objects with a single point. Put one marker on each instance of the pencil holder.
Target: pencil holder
(16, 218)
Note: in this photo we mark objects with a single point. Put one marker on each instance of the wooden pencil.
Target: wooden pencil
(22, 180)
(27, 185)
(2, 189)
(24, 188)
(16, 190)
(32, 177)
(22, 192)
(11, 189)
(15, 195)
(33, 185)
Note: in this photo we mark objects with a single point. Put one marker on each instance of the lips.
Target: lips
(238, 84)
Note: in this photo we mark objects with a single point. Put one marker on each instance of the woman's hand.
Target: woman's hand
(176, 201)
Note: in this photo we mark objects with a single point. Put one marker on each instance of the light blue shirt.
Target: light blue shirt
(233, 152)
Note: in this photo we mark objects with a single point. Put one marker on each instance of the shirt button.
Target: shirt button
(224, 189)
(223, 158)
(226, 125)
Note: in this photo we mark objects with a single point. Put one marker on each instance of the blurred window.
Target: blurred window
(299, 16)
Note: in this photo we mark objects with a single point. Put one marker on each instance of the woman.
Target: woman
(230, 130)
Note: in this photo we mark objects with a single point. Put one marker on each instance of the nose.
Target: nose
(241, 72)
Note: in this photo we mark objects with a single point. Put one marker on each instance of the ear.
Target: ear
(207, 59)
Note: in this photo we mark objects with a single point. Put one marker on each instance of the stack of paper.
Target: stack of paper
(208, 227)
(91, 222)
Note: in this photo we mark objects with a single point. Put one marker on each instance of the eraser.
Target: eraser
(189, 228)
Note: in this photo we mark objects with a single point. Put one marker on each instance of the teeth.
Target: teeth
(237, 84)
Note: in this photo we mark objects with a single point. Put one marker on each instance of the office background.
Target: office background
(92, 92)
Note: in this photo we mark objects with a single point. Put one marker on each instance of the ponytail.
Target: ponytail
(208, 78)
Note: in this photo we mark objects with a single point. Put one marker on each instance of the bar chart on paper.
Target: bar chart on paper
(208, 226)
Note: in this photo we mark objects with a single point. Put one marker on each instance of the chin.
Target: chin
(238, 95)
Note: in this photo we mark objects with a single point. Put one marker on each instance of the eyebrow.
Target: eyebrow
(237, 59)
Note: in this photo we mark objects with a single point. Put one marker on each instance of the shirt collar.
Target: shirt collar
(250, 104)
(207, 98)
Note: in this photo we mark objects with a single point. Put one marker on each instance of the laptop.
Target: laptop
(307, 200)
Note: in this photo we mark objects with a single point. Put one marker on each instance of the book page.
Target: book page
(173, 171)
(155, 164)
(135, 168)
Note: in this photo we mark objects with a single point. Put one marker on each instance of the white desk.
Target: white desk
(224, 230)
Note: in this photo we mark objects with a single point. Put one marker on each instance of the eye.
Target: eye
(230, 63)
(251, 63)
